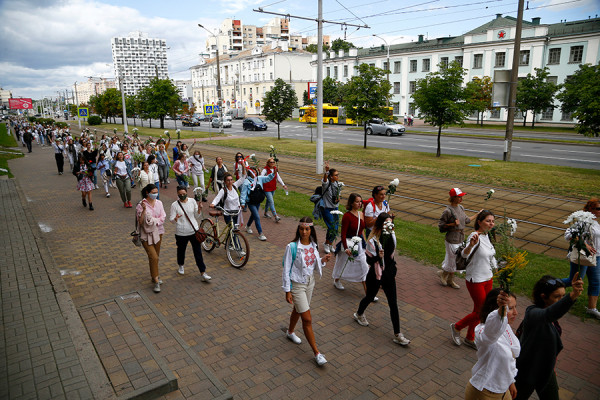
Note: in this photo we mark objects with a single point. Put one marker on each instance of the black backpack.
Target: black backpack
(257, 195)
(222, 202)
(318, 194)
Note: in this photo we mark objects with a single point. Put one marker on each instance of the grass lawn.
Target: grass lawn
(425, 244)
(567, 181)
(7, 140)
(199, 131)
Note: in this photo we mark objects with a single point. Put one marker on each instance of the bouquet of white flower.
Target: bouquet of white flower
(392, 188)
(580, 223)
(489, 194)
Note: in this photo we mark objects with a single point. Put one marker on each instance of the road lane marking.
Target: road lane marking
(559, 158)
(461, 149)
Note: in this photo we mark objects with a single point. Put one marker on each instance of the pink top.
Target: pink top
(179, 169)
(152, 225)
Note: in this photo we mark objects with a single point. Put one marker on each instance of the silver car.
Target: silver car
(226, 123)
(380, 127)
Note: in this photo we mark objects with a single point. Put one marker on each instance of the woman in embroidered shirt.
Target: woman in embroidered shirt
(300, 261)
(350, 261)
(184, 213)
(197, 170)
(181, 168)
(269, 187)
(151, 218)
(375, 207)
(478, 275)
(381, 250)
(498, 347)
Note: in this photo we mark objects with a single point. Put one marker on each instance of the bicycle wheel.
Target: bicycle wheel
(211, 234)
(238, 249)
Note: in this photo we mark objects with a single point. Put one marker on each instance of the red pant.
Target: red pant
(478, 291)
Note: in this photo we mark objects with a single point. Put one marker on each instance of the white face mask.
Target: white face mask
(153, 196)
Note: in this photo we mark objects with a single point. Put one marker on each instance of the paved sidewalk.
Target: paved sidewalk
(235, 323)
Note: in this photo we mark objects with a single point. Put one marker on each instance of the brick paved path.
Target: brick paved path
(235, 323)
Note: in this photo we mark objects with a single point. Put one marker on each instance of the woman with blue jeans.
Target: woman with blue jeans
(255, 198)
(593, 273)
(330, 189)
(269, 187)
(181, 168)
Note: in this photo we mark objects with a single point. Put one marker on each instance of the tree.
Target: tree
(306, 101)
(536, 93)
(479, 95)
(131, 104)
(440, 98)
(313, 48)
(112, 105)
(581, 96)
(332, 91)
(161, 98)
(366, 95)
(340, 44)
(279, 103)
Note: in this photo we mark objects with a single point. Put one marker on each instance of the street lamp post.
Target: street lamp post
(388, 63)
(125, 128)
(77, 106)
(219, 94)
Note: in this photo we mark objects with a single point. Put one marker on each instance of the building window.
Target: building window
(413, 65)
(459, 60)
(270, 62)
(328, 71)
(548, 114)
(411, 109)
(335, 72)
(478, 61)
(554, 56)
(524, 57)
(397, 67)
(576, 55)
(372, 65)
(345, 70)
(396, 108)
(553, 79)
(271, 76)
(412, 86)
(444, 62)
(566, 116)
(244, 91)
(396, 87)
(385, 66)
(495, 113)
(426, 65)
(500, 60)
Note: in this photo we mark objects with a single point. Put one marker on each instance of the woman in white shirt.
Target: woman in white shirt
(230, 195)
(197, 170)
(375, 206)
(478, 276)
(154, 175)
(184, 213)
(145, 175)
(122, 177)
(300, 261)
(498, 347)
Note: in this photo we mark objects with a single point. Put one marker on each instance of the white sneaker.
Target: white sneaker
(292, 336)
(326, 248)
(320, 359)
(205, 278)
(455, 335)
(400, 339)
(156, 287)
(107, 195)
(97, 187)
(277, 218)
(361, 319)
(338, 284)
(262, 237)
(249, 230)
(181, 270)
(168, 180)
(593, 312)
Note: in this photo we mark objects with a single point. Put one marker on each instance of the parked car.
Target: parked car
(380, 127)
(215, 123)
(254, 124)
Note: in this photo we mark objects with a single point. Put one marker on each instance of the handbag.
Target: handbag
(462, 262)
(200, 234)
(582, 260)
(136, 239)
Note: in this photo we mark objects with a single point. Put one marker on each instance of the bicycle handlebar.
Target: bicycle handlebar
(228, 213)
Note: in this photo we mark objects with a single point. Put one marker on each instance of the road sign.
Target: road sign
(82, 112)
(217, 108)
(315, 101)
(208, 109)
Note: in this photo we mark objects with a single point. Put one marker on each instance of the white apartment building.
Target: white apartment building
(561, 47)
(93, 87)
(138, 59)
(248, 75)
(184, 88)
(4, 96)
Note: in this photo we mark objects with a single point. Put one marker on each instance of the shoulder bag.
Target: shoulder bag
(200, 234)
(135, 235)
(462, 262)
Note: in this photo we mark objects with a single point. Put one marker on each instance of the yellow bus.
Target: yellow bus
(331, 115)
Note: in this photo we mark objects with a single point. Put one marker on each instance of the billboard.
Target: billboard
(20, 104)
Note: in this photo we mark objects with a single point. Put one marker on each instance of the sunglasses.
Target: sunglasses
(597, 208)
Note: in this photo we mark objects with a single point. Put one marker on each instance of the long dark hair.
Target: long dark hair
(378, 226)
(545, 286)
(491, 303)
(147, 189)
(313, 233)
(481, 216)
(351, 200)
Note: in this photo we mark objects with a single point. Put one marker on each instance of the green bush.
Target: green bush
(94, 120)
(62, 125)
(32, 119)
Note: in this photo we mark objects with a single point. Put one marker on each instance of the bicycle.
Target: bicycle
(236, 245)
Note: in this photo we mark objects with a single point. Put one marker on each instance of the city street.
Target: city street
(570, 155)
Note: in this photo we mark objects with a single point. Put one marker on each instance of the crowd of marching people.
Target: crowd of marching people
(510, 364)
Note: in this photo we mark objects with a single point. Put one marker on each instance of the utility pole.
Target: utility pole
(123, 102)
(219, 91)
(77, 106)
(512, 92)
(388, 65)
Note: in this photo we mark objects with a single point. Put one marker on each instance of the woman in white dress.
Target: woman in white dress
(350, 261)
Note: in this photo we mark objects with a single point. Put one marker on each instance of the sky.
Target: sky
(48, 45)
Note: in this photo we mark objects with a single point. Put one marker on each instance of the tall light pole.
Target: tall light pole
(77, 106)
(388, 63)
(123, 101)
(219, 94)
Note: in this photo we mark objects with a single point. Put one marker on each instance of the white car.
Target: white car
(379, 127)
(226, 123)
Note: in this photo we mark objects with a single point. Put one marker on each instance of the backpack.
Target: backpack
(442, 227)
(222, 202)
(257, 195)
(293, 249)
(372, 202)
(318, 194)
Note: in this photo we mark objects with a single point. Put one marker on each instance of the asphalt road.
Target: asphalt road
(571, 155)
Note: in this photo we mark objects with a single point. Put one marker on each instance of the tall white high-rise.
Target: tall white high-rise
(138, 59)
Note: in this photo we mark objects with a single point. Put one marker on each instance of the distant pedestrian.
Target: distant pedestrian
(410, 120)
(154, 175)
(478, 275)
(164, 165)
(145, 176)
(300, 261)
(330, 198)
(271, 186)
(405, 119)
(381, 250)
(82, 171)
(123, 179)
(452, 222)
(151, 217)
(59, 150)
(28, 138)
(253, 188)
(105, 174)
(184, 213)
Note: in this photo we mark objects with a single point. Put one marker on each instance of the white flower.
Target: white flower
(198, 189)
(178, 130)
(492, 191)
(336, 212)
(513, 225)
(166, 132)
(356, 239)
(580, 216)
(252, 155)
(272, 147)
(395, 182)
(341, 184)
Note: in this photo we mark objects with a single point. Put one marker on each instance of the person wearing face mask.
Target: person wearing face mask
(151, 218)
(478, 275)
(498, 347)
(197, 170)
(183, 214)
